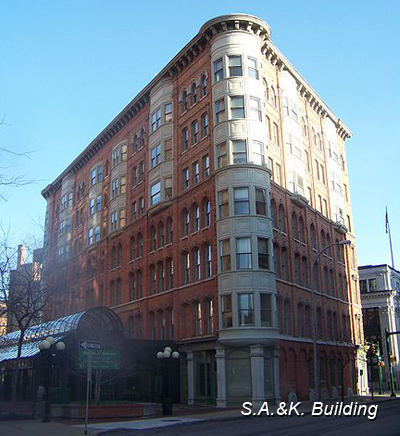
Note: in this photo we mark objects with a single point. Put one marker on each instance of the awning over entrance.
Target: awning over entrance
(96, 318)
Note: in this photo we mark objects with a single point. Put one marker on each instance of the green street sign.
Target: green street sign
(101, 359)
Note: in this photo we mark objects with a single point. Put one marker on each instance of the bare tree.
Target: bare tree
(23, 291)
(11, 180)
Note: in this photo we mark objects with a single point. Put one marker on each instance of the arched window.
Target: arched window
(153, 238)
(142, 137)
(196, 218)
(185, 268)
(273, 97)
(323, 241)
(284, 265)
(161, 240)
(139, 278)
(135, 143)
(287, 325)
(112, 294)
(113, 257)
(328, 242)
(312, 237)
(207, 260)
(194, 93)
(132, 290)
(281, 219)
(300, 319)
(169, 230)
(301, 229)
(326, 280)
(119, 254)
(295, 233)
(186, 222)
(266, 90)
(140, 245)
(304, 127)
(203, 84)
(319, 142)
(273, 214)
(314, 137)
(184, 101)
(207, 213)
(342, 163)
(196, 264)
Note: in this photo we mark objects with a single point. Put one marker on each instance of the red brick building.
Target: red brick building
(196, 214)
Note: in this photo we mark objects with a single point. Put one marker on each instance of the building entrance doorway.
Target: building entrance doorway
(205, 377)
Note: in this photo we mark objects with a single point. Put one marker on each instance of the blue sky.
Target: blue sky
(68, 67)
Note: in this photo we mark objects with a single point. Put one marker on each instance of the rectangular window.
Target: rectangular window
(223, 203)
(222, 155)
(210, 316)
(97, 234)
(241, 201)
(197, 264)
(153, 121)
(255, 109)
(141, 206)
(266, 310)
(346, 194)
(243, 253)
(155, 155)
(285, 103)
(246, 309)
(122, 218)
(98, 203)
(93, 177)
(206, 166)
(220, 110)
(196, 172)
(195, 132)
(122, 185)
(185, 139)
(207, 261)
(278, 174)
(90, 236)
(235, 66)
(218, 70)
(91, 206)
(239, 151)
(134, 176)
(261, 201)
(155, 196)
(141, 171)
(294, 111)
(134, 211)
(185, 178)
(252, 68)
(225, 253)
(204, 125)
(168, 113)
(372, 285)
(114, 221)
(263, 255)
(237, 106)
(168, 149)
(199, 320)
(226, 309)
(258, 153)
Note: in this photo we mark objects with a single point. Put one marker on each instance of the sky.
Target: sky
(68, 67)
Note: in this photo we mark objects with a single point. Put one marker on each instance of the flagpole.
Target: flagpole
(390, 237)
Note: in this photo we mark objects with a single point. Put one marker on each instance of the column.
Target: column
(257, 375)
(276, 375)
(221, 376)
(190, 370)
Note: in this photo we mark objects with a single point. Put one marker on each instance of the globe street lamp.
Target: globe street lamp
(46, 349)
(164, 357)
(314, 314)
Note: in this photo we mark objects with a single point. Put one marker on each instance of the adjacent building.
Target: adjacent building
(196, 215)
(3, 319)
(380, 296)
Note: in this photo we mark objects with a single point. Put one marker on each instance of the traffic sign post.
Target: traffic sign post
(88, 381)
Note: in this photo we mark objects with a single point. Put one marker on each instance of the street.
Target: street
(386, 424)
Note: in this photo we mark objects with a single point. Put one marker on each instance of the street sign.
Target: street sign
(101, 359)
(90, 345)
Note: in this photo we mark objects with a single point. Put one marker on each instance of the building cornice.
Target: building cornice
(213, 27)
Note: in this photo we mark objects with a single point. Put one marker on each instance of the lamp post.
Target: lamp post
(47, 348)
(164, 356)
(314, 314)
